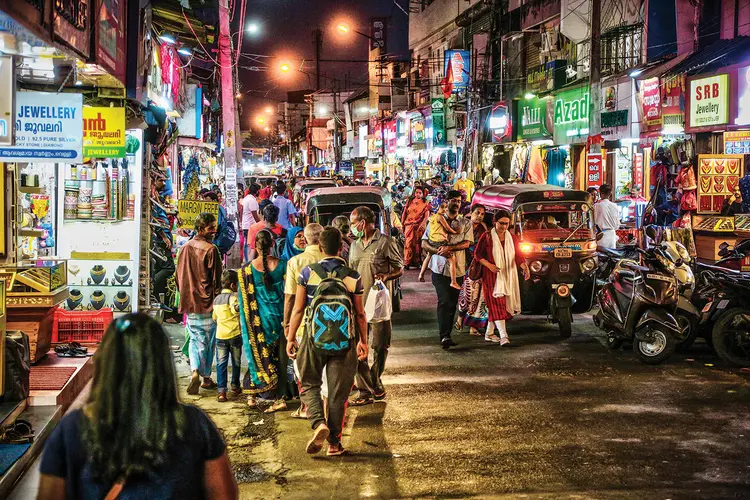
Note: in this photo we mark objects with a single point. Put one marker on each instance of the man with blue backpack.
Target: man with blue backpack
(329, 297)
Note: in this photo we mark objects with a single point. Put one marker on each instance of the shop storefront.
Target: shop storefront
(565, 158)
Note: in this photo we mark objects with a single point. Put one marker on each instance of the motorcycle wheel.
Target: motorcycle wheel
(565, 319)
(690, 325)
(613, 342)
(656, 352)
(731, 337)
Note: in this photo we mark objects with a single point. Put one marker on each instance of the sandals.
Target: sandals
(71, 350)
(298, 414)
(252, 402)
(276, 406)
(19, 432)
(361, 402)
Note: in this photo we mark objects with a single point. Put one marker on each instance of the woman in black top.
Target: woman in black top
(134, 439)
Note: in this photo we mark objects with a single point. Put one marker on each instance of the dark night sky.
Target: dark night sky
(286, 32)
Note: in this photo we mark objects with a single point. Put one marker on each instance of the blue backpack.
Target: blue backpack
(226, 235)
(330, 322)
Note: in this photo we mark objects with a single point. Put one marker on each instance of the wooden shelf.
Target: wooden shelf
(31, 190)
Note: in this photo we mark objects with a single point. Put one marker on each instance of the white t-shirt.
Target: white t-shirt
(607, 217)
(249, 204)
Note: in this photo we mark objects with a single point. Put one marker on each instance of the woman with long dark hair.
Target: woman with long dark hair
(134, 437)
(261, 318)
(498, 253)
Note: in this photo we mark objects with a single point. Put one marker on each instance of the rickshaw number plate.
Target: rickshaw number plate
(563, 253)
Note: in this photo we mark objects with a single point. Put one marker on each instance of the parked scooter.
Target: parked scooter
(638, 304)
(687, 314)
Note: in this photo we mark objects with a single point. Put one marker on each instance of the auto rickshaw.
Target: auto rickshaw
(302, 189)
(554, 228)
(325, 204)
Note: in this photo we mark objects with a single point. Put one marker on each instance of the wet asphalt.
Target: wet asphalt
(541, 419)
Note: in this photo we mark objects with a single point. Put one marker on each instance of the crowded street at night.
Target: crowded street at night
(297, 249)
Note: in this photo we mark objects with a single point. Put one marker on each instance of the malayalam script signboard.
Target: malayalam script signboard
(595, 170)
(189, 210)
(103, 132)
(49, 126)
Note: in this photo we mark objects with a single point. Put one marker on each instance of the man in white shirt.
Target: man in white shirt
(607, 217)
(250, 211)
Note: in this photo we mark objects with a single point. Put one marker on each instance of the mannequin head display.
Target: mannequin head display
(75, 297)
(121, 302)
(97, 300)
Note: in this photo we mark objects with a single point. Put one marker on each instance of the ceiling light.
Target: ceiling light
(636, 72)
(167, 38)
(529, 95)
(184, 51)
(79, 83)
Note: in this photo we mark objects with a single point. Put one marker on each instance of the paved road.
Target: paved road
(541, 419)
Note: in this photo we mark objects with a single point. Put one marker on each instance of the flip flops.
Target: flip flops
(71, 350)
(19, 432)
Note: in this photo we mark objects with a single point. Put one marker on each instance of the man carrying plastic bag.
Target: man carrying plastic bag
(378, 258)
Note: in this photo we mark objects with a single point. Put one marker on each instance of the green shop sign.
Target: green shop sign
(571, 115)
(535, 122)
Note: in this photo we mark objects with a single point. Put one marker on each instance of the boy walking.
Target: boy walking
(226, 314)
(332, 293)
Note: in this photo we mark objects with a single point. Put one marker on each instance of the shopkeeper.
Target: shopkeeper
(607, 217)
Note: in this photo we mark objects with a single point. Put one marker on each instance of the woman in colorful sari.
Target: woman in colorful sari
(414, 219)
(261, 316)
(497, 252)
(472, 309)
(295, 243)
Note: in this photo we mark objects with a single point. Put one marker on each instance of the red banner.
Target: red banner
(651, 104)
(595, 170)
(672, 95)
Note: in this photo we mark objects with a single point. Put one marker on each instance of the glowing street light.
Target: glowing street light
(261, 120)
(267, 129)
(343, 27)
(269, 110)
(285, 68)
(253, 28)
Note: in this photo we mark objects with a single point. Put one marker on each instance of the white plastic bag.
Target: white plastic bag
(378, 306)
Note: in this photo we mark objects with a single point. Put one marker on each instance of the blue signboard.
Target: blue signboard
(460, 63)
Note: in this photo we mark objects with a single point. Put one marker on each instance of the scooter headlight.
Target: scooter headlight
(536, 266)
(589, 264)
(684, 254)
(666, 263)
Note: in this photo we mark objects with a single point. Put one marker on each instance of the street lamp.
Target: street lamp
(269, 110)
(261, 120)
(253, 28)
(344, 28)
(267, 129)
(285, 68)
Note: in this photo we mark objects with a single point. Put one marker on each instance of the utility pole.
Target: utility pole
(310, 155)
(228, 109)
(336, 133)
(318, 41)
(595, 87)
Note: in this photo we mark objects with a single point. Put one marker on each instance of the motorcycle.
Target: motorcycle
(638, 304)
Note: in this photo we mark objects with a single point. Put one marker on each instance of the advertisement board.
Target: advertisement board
(709, 101)
(460, 63)
(438, 122)
(499, 122)
(7, 93)
(378, 34)
(651, 94)
(110, 37)
(103, 132)
(737, 142)
(536, 122)
(571, 115)
(49, 126)
(673, 100)
(595, 170)
(743, 96)
(189, 210)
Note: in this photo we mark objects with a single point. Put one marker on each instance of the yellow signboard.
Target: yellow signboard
(189, 210)
(103, 132)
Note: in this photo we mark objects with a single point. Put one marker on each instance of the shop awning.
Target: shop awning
(717, 55)
(662, 67)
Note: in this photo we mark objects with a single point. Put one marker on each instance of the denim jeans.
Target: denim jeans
(224, 348)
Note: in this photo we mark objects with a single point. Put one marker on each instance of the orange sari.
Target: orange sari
(414, 220)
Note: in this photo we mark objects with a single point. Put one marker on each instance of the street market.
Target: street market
(474, 249)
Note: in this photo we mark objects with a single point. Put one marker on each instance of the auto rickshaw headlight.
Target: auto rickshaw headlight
(526, 247)
(536, 266)
(591, 245)
(589, 265)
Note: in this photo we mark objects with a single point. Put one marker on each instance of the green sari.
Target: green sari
(261, 319)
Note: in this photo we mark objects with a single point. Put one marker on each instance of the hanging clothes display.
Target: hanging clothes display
(555, 161)
(688, 186)
(519, 161)
(536, 170)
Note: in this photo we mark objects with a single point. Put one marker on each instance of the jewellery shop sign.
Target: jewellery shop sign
(103, 132)
(49, 127)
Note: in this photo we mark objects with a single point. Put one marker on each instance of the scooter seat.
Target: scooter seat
(618, 253)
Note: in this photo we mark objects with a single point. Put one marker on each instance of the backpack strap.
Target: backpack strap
(318, 269)
(340, 272)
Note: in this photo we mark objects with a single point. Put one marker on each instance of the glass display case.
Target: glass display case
(35, 283)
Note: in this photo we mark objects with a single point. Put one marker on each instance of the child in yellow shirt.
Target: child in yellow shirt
(226, 314)
(440, 232)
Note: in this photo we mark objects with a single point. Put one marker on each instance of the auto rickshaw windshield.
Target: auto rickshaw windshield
(539, 222)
